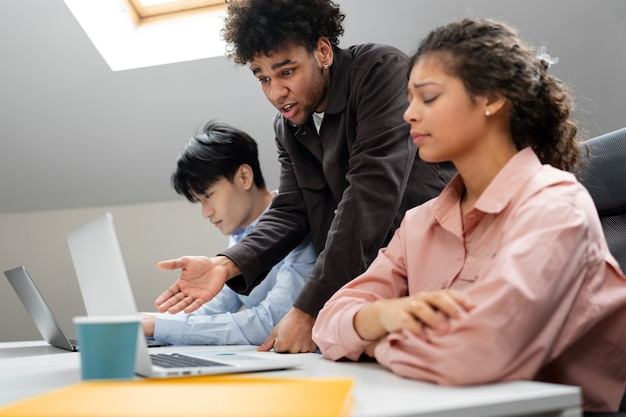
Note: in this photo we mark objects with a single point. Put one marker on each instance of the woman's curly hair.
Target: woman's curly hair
(255, 27)
(490, 58)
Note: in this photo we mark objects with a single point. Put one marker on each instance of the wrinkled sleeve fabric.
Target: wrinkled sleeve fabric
(334, 331)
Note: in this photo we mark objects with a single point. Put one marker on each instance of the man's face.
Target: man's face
(228, 205)
(294, 81)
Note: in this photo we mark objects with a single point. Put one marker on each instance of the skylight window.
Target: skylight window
(146, 9)
(133, 34)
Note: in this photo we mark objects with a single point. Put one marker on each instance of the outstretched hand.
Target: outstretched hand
(200, 280)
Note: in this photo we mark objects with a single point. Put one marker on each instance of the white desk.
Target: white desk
(31, 368)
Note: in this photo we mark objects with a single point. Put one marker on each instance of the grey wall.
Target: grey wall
(147, 233)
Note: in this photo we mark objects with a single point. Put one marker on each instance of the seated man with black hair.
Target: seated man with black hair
(220, 169)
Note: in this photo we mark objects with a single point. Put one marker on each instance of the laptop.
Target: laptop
(39, 311)
(42, 315)
(106, 290)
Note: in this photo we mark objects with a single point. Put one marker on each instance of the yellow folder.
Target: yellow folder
(223, 396)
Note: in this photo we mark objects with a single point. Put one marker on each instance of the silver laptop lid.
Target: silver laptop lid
(102, 277)
(37, 308)
(100, 268)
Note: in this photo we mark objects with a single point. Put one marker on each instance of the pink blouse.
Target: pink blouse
(550, 298)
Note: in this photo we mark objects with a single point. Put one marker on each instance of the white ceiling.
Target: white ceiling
(75, 134)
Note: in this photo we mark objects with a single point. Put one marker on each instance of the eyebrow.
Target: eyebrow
(424, 84)
(275, 66)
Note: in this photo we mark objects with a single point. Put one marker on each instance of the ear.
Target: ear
(493, 104)
(245, 176)
(324, 52)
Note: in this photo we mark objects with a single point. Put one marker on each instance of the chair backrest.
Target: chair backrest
(604, 176)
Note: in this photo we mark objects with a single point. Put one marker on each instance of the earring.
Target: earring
(487, 113)
(325, 67)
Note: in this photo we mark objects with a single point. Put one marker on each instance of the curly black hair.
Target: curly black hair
(255, 27)
(491, 58)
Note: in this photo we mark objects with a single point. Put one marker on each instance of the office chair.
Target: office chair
(604, 176)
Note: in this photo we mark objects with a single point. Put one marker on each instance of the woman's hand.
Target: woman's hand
(432, 309)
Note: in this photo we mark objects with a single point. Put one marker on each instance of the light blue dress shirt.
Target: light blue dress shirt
(234, 319)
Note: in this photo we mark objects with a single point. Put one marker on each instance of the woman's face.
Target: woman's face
(446, 124)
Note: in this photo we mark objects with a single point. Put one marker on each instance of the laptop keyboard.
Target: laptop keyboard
(176, 360)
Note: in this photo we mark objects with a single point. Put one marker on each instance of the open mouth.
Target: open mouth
(289, 110)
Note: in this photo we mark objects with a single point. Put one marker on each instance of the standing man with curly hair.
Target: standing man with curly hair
(349, 170)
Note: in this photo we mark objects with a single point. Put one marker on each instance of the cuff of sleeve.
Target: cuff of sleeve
(346, 342)
(170, 328)
(240, 283)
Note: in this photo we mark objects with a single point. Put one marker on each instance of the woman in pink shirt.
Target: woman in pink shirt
(506, 275)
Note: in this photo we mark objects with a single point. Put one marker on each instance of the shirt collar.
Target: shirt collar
(499, 193)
